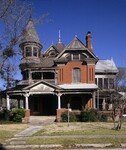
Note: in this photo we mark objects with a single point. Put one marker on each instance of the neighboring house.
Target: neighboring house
(60, 76)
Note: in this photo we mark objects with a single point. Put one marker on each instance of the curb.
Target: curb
(122, 145)
(32, 146)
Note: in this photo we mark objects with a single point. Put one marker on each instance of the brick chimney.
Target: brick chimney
(89, 41)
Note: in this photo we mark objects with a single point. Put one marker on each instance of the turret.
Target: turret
(30, 45)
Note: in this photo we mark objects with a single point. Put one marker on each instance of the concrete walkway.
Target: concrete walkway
(29, 131)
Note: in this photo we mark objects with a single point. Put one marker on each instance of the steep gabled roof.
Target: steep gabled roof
(75, 44)
(60, 46)
(52, 47)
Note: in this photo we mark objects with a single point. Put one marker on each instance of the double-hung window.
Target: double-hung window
(76, 76)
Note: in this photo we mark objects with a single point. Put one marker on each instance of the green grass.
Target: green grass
(9, 130)
(81, 129)
(5, 135)
(83, 132)
(72, 141)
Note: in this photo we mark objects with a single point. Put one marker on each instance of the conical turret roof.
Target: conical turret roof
(30, 35)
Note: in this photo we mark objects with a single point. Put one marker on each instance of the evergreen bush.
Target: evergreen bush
(102, 117)
(72, 117)
(17, 114)
(89, 115)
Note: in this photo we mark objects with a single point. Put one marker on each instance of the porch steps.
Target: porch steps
(42, 119)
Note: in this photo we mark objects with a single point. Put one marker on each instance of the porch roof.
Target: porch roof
(78, 86)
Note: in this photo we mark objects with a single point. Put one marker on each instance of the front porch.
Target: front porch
(44, 99)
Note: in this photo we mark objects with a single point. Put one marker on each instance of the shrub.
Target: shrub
(17, 115)
(88, 115)
(102, 117)
(4, 115)
(72, 117)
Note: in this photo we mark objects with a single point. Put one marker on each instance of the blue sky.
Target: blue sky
(106, 19)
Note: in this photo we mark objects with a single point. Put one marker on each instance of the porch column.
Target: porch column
(94, 101)
(8, 102)
(27, 110)
(59, 100)
(103, 104)
(26, 101)
(18, 103)
(98, 99)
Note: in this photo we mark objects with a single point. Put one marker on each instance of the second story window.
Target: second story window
(48, 75)
(35, 52)
(28, 50)
(111, 83)
(76, 76)
(36, 75)
(31, 51)
(100, 83)
(105, 83)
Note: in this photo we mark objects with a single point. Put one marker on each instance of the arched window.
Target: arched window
(76, 75)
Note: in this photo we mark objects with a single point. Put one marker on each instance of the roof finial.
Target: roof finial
(30, 11)
(59, 37)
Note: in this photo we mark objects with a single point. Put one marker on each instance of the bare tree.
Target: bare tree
(121, 79)
(13, 18)
(8, 75)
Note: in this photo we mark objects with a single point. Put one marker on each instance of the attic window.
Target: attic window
(28, 50)
(75, 56)
(52, 53)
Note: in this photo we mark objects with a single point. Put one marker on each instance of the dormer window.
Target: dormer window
(31, 51)
(75, 56)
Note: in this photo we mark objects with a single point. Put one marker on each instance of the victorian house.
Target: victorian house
(63, 74)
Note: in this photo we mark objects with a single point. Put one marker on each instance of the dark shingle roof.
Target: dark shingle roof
(47, 62)
(76, 44)
(30, 34)
(60, 46)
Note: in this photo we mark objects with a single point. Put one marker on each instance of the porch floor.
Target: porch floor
(42, 119)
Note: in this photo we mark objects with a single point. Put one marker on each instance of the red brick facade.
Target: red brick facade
(65, 72)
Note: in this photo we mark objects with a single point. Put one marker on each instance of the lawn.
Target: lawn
(93, 128)
(79, 129)
(74, 129)
(9, 130)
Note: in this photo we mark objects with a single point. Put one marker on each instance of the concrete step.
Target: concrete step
(41, 119)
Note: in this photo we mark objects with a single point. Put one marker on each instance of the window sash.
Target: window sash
(76, 75)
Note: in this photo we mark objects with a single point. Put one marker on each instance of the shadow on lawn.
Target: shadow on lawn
(2, 147)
